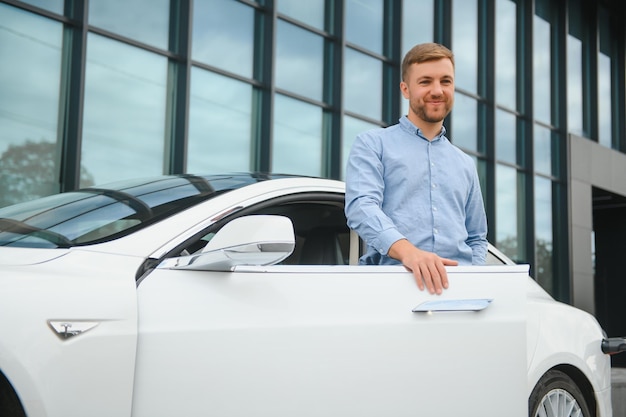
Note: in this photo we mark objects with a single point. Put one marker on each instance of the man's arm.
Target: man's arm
(365, 188)
(476, 224)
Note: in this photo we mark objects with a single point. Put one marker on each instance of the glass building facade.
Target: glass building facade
(100, 90)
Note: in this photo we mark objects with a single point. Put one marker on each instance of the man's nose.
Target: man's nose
(437, 89)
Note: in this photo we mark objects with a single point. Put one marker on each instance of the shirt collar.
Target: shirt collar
(414, 130)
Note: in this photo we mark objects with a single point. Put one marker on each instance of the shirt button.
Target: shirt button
(435, 231)
(434, 185)
(434, 208)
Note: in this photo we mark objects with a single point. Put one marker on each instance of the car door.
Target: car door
(329, 340)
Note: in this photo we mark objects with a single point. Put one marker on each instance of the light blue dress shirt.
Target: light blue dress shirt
(401, 185)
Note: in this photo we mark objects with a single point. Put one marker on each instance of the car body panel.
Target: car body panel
(319, 340)
(87, 374)
(27, 256)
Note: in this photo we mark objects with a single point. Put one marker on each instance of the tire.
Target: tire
(9, 402)
(557, 395)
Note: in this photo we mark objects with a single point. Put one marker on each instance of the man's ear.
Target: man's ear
(405, 89)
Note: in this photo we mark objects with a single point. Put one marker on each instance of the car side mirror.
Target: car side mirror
(247, 240)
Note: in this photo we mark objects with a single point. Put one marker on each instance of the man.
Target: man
(412, 196)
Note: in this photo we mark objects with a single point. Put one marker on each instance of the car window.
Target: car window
(321, 233)
(492, 259)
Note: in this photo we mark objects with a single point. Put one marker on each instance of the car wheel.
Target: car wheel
(557, 395)
(9, 402)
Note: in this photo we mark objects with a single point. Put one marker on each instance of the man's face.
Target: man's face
(429, 87)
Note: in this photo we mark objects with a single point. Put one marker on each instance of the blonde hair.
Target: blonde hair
(425, 52)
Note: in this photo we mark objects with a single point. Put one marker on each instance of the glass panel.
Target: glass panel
(364, 24)
(543, 150)
(299, 61)
(506, 137)
(124, 111)
(417, 27)
(604, 80)
(362, 82)
(310, 12)
(465, 44)
(351, 128)
(507, 213)
(574, 69)
(417, 23)
(220, 123)
(506, 63)
(464, 123)
(55, 6)
(144, 20)
(543, 233)
(604, 100)
(297, 146)
(541, 70)
(574, 85)
(225, 39)
(30, 53)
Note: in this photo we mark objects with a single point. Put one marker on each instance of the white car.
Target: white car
(238, 295)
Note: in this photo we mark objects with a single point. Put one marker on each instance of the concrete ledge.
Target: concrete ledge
(618, 391)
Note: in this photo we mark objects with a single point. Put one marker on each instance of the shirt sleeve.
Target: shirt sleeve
(364, 194)
(476, 224)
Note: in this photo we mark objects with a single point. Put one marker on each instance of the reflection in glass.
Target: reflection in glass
(30, 49)
(363, 90)
(310, 12)
(465, 45)
(506, 94)
(225, 39)
(219, 124)
(297, 145)
(607, 41)
(541, 70)
(543, 150)
(575, 68)
(417, 23)
(123, 129)
(507, 212)
(543, 233)
(55, 6)
(604, 100)
(506, 137)
(464, 123)
(364, 24)
(574, 86)
(351, 128)
(299, 60)
(144, 20)
(417, 27)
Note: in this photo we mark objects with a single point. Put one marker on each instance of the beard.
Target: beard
(424, 114)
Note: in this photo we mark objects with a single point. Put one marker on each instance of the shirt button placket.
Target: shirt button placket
(433, 198)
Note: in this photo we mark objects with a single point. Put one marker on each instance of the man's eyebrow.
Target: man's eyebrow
(430, 77)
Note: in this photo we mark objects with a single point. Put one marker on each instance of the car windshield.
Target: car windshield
(97, 214)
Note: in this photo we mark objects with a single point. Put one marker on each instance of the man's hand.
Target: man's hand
(428, 268)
